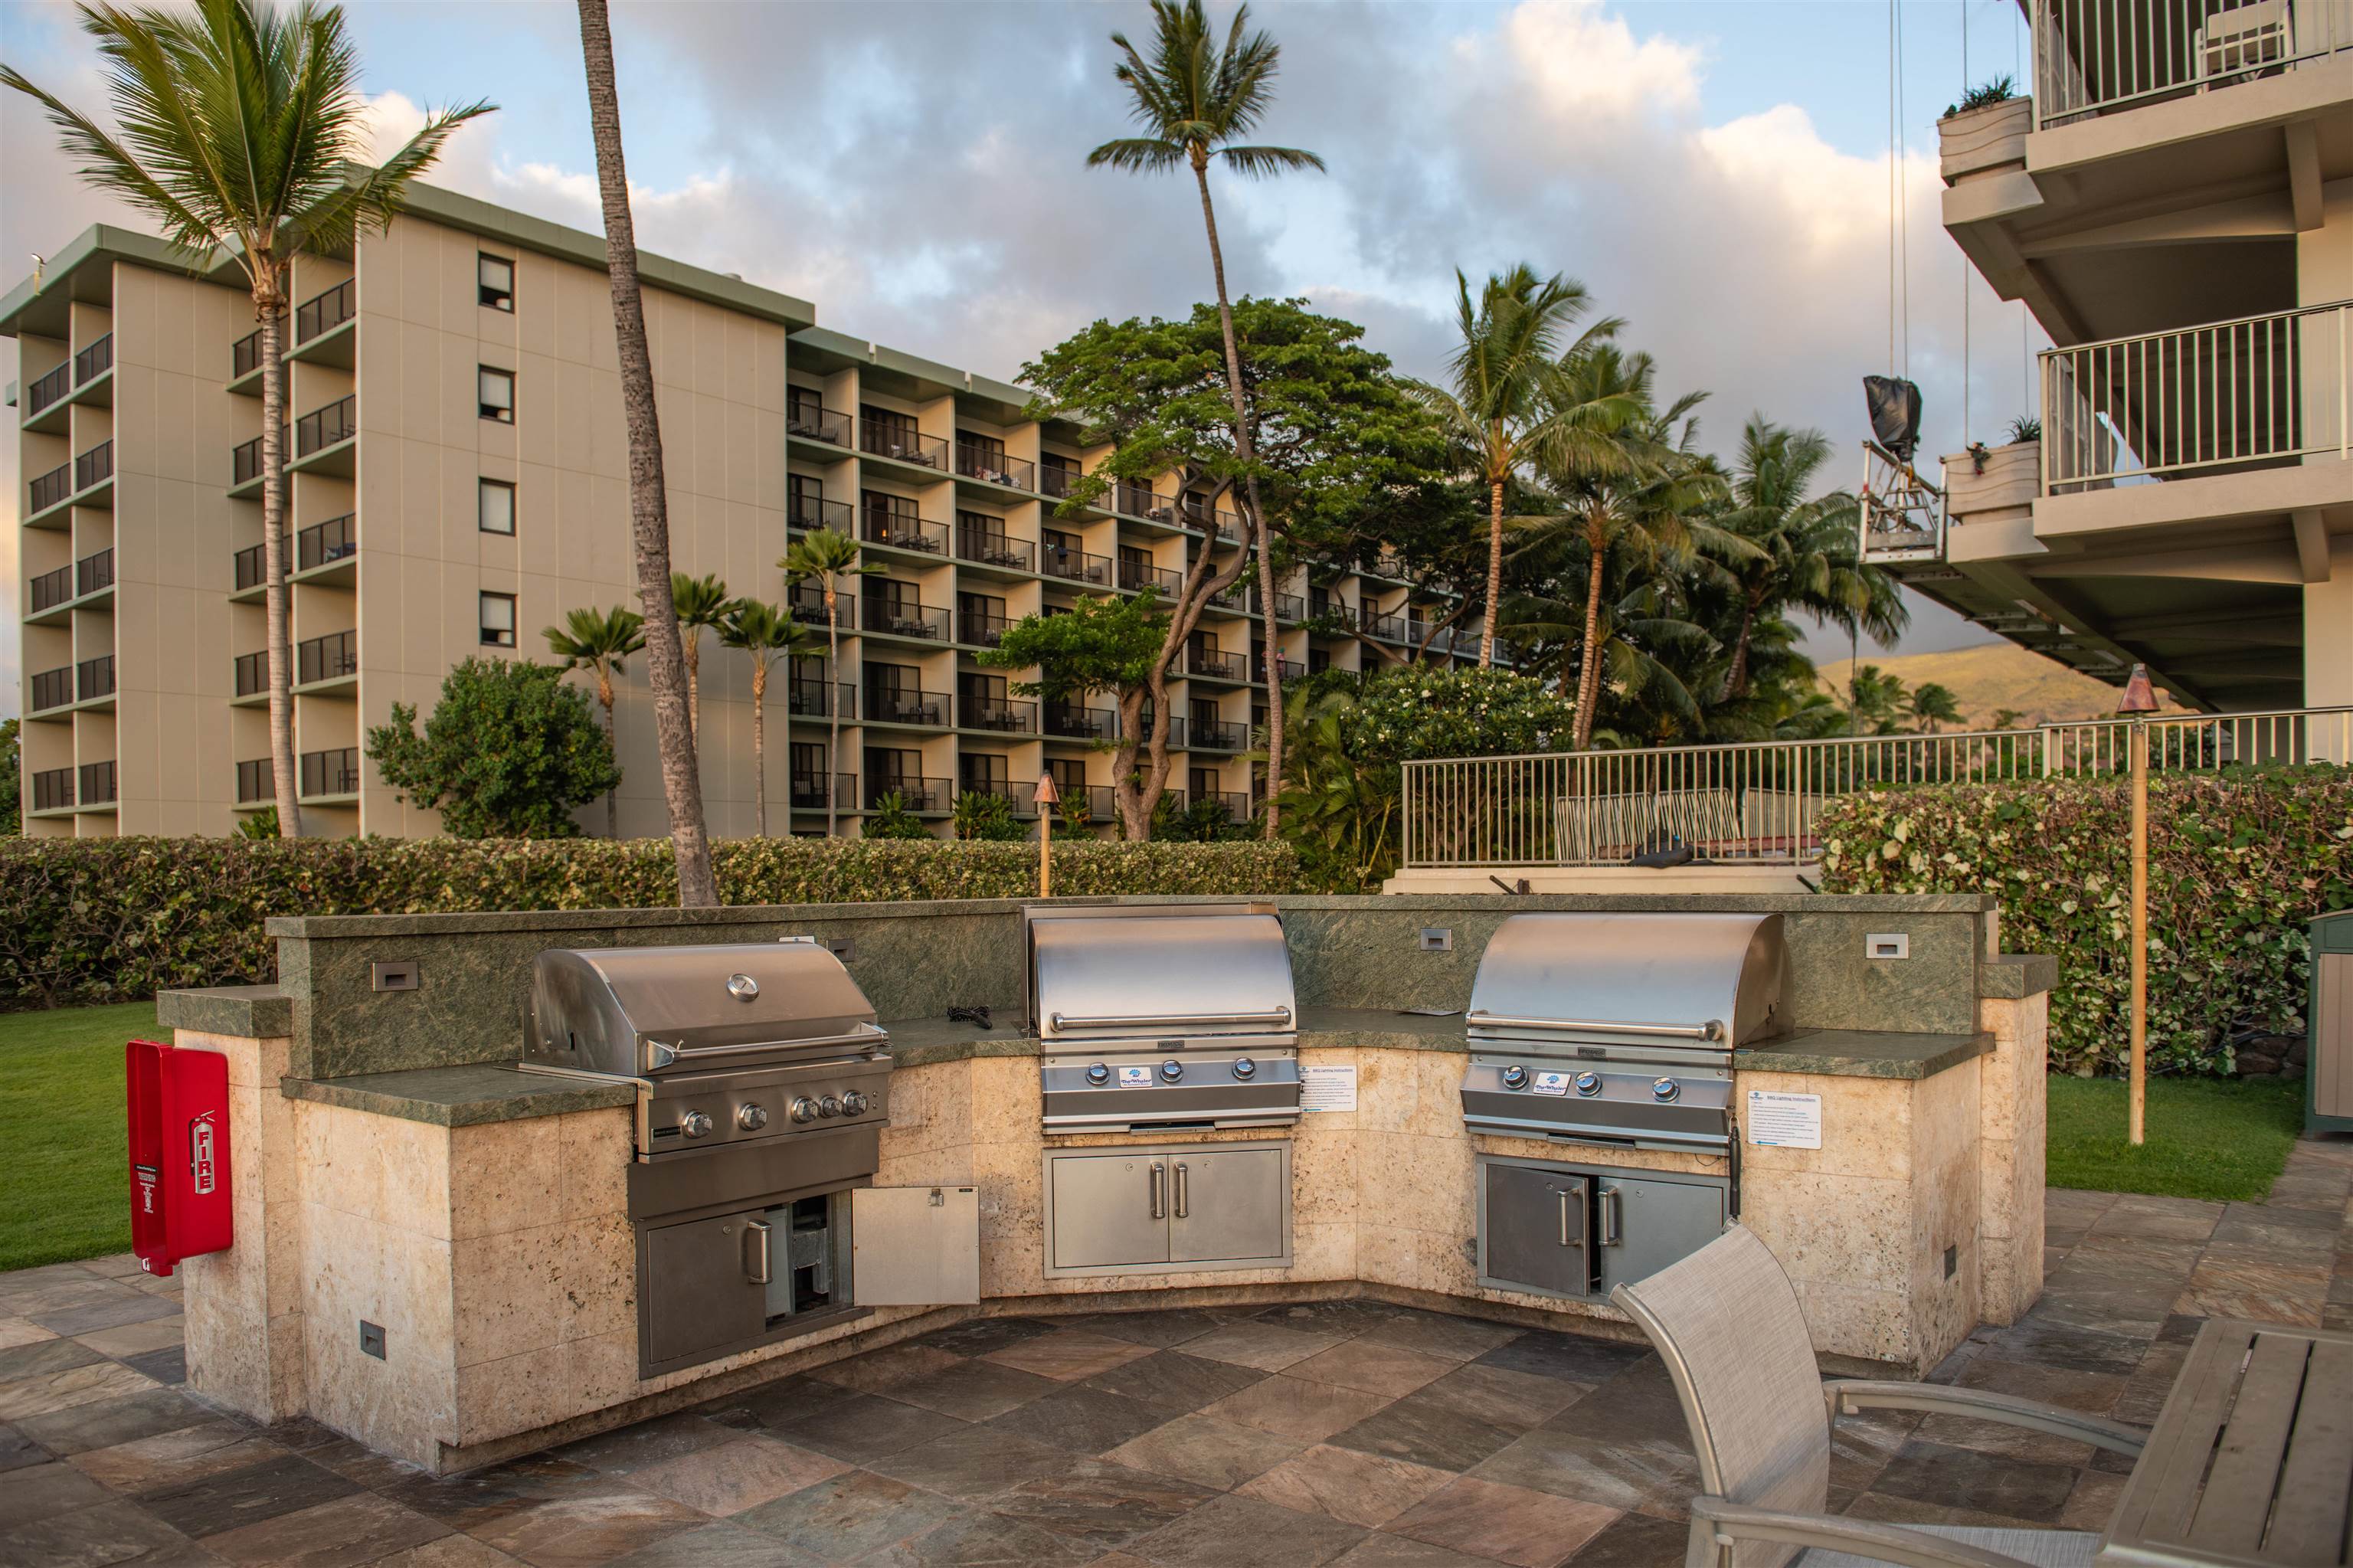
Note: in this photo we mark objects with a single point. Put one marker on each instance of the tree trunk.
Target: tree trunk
(689, 643)
(1588, 675)
(1494, 571)
(612, 739)
(1735, 682)
(759, 743)
(285, 775)
(681, 789)
(832, 704)
(1244, 450)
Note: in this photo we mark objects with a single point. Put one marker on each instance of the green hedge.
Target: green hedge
(2239, 862)
(92, 920)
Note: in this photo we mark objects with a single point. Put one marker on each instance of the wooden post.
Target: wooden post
(1047, 799)
(2136, 1102)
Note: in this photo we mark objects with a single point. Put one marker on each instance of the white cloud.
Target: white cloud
(1582, 61)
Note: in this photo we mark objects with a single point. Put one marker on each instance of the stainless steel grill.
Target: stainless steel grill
(1619, 1028)
(1160, 1016)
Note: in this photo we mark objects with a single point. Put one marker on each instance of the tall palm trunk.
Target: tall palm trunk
(1245, 449)
(1494, 571)
(691, 647)
(1588, 675)
(682, 789)
(832, 704)
(285, 781)
(1736, 681)
(759, 745)
(613, 739)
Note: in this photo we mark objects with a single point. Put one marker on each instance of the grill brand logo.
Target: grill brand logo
(202, 1166)
(1552, 1083)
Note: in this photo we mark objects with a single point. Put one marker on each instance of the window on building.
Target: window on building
(498, 618)
(494, 282)
(494, 507)
(497, 394)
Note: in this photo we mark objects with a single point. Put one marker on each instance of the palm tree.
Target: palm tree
(239, 125)
(1875, 698)
(769, 635)
(1505, 405)
(826, 556)
(1635, 637)
(2005, 719)
(649, 507)
(1806, 558)
(1194, 99)
(1931, 705)
(601, 640)
(700, 603)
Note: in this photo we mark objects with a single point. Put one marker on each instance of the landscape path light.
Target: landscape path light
(2138, 702)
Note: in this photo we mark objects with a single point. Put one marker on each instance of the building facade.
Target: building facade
(458, 468)
(2174, 203)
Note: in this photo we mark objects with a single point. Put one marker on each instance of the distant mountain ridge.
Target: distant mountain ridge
(1995, 676)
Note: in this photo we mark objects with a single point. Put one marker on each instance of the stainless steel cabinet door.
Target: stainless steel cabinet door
(1532, 1232)
(1644, 1224)
(1109, 1208)
(915, 1246)
(706, 1288)
(1227, 1206)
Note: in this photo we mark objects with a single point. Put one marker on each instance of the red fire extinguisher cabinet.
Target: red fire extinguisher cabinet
(179, 1153)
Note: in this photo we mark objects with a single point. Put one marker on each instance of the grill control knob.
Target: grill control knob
(804, 1109)
(695, 1124)
(1515, 1077)
(853, 1104)
(1098, 1074)
(1588, 1083)
(1172, 1070)
(751, 1116)
(829, 1106)
(1245, 1068)
(1665, 1089)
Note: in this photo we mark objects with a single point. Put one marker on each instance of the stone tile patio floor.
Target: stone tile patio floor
(1350, 1432)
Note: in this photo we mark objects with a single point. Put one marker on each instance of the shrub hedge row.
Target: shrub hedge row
(2239, 862)
(92, 920)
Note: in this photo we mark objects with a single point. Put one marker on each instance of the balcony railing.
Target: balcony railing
(51, 386)
(817, 511)
(2258, 392)
(94, 573)
(1058, 482)
(51, 488)
(815, 699)
(53, 688)
(1199, 513)
(990, 548)
(993, 468)
(1219, 736)
(53, 789)
(252, 674)
(813, 422)
(94, 361)
(329, 658)
(335, 772)
(2096, 56)
(245, 355)
(980, 628)
(1386, 628)
(901, 618)
(337, 539)
(1021, 794)
(1075, 722)
(906, 704)
(1214, 663)
(927, 795)
(245, 461)
(1289, 669)
(1001, 714)
(94, 678)
(250, 566)
(94, 466)
(52, 588)
(1075, 566)
(325, 312)
(884, 438)
(805, 602)
(1136, 576)
(256, 780)
(1142, 501)
(95, 784)
(322, 427)
(1234, 803)
(809, 790)
(902, 529)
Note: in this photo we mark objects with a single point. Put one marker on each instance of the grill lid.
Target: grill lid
(1694, 980)
(634, 1011)
(1146, 971)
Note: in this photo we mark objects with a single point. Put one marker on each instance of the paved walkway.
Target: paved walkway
(1347, 1433)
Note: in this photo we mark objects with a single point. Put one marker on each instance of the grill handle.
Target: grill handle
(1713, 1030)
(1279, 1018)
(1611, 1234)
(864, 1034)
(760, 1270)
(1152, 1184)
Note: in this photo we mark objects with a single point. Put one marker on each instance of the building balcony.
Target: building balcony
(806, 419)
(887, 438)
(806, 511)
(1058, 483)
(89, 579)
(805, 602)
(53, 789)
(327, 544)
(95, 784)
(1289, 669)
(990, 466)
(902, 529)
(1220, 736)
(256, 782)
(991, 547)
(1143, 502)
(83, 377)
(322, 326)
(925, 796)
(322, 437)
(1137, 575)
(320, 660)
(817, 699)
(94, 678)
(328, 776)
(1075, 566)
(1216, 520)
(245, 364)
(1068, 721)
(2094, 58)
(1214, 664)
(250, 676)
(1234, 804)
(51, 689)
(1020, 794)
(87, 480)
(52, 590)
(907, 706)
(810, 791)
(979, 628)
(999, 716)
(906, 618)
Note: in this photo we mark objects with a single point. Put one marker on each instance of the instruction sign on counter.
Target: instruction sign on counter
(1327, 1089)
(1778, 1120)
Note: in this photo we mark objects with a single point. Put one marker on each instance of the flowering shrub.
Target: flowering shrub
(2239, 862)
(1416, 712)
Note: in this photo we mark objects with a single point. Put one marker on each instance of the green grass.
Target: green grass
(2208, 1137)
(66, 1191)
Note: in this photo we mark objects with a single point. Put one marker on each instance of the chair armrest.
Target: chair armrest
(1849, 1395)
(1717, 1522)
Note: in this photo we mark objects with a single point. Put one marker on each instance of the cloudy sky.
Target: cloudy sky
(1719, 172)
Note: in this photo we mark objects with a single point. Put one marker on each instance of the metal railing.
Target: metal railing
(817, 511)
(1070, 722)
(1218, 737)
(256, 780)
(1198, 513)
(924, 795)
(906, 704)
(993, 467)
(53, 688)
(53, 789)
(2096, 56)
(250, 566)
(326, 311)
(1202, 660)
(328, 658)
(885, 438)
(1137, 575)
(815, 699)
(2257, 392)
(94, 573)
(1075, 566)
(94, 678)
(980, 628)
(1763, 802)
(993, 547)
(809, 790)
(251, 673)
(1021, 794)
(51, 589)
(1901, 515)
(95, 784)
(805, 602)
(94, 467)
(245, 461)
(52, 386)
(50, 488)
(1058, 482)
(1234, 803)
(902, 529)
(332, 772)
(323, 428)
(245, 355)
(1289, 669)
(999, 714)
(337, 539)
(905, 618)
(813, 421)
(95, 360)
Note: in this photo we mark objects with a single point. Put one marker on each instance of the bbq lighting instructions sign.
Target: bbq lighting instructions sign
(1327, 1089)
(1778, 1120)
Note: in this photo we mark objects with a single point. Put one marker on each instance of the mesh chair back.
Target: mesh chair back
(1727, 1323)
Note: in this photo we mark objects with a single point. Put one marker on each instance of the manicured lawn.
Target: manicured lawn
(67, 1190)
(2207, 1137)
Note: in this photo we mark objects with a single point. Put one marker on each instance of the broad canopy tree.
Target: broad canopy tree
(509, 751)
(1110, 646)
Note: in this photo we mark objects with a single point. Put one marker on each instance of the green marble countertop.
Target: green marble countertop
(462, 1096)
(251, 1011)
(1863, 1054)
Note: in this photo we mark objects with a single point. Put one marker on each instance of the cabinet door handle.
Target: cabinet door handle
(1564, 1217)
(1159, 1205)
(755, 1233)
(1610, 1235)
(1183, 1190)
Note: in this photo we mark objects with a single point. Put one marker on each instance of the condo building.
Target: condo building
(458, 480)
(2174, 204)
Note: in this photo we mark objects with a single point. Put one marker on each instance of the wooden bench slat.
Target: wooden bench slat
(2315, 1491)
(2162, 1495)
(2235, 1504)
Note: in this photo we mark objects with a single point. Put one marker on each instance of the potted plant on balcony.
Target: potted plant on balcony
(1985, 482)
(1985, 133)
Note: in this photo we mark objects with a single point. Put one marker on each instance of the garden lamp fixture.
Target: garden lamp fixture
(1046, 797)
(2138, 701)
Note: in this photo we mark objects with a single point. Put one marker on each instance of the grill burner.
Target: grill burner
(1160, 1016)
(1620, 1029)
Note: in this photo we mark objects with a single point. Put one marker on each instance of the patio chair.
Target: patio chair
(1727, 1323)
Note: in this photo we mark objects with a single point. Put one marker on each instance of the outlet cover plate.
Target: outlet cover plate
(1886, 945)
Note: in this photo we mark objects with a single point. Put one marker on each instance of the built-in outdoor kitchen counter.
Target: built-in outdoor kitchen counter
(436, 1252)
